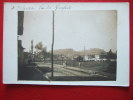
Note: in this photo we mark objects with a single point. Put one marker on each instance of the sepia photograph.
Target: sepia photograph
(79, 44)
(67, 45)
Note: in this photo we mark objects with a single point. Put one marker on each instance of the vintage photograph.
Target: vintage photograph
(77, 44)
(67, 45)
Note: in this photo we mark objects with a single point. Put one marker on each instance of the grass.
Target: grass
(104, 66)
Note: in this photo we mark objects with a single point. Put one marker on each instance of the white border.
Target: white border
(10, 40)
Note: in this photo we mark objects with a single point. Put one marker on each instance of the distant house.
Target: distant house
(95, 57)
(79, 58)
(86, 58)
(89, 58)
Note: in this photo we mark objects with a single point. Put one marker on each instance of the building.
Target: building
(20, 53)
(20, 33)
(95, 57)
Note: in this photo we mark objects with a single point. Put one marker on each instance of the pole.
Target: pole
(84, 54)
(52, 60)
(84, 50)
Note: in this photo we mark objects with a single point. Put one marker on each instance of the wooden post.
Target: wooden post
(52, 60)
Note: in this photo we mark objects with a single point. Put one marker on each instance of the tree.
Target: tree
(41, 51)
(111, 55)
(44, 53)
(39, 46)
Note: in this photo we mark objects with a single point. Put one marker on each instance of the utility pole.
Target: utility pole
(84, 58)
(52, 60)
(32, 46)
(84, 51)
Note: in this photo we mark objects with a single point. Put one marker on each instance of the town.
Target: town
(95, 62)
(67, 64)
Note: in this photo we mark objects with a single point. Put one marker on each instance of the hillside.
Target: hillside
(71, 52)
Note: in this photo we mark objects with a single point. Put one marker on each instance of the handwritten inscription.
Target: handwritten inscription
(25, 7)
(63, 7)
(57, 7)
(43, 7)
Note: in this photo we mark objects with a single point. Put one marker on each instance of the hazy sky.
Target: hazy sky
(73, 29)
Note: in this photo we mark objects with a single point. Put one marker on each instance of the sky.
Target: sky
(72, 29)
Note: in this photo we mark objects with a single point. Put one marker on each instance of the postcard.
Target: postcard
(66, 44)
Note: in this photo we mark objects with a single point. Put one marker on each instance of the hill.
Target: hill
(70, 52)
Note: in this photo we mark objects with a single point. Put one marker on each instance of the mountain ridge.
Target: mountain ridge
(72, 52)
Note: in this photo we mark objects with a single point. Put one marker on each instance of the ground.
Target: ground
(95, 71)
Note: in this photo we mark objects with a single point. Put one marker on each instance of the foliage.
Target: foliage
(39, 46)
(111, 55)
(41, 53)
